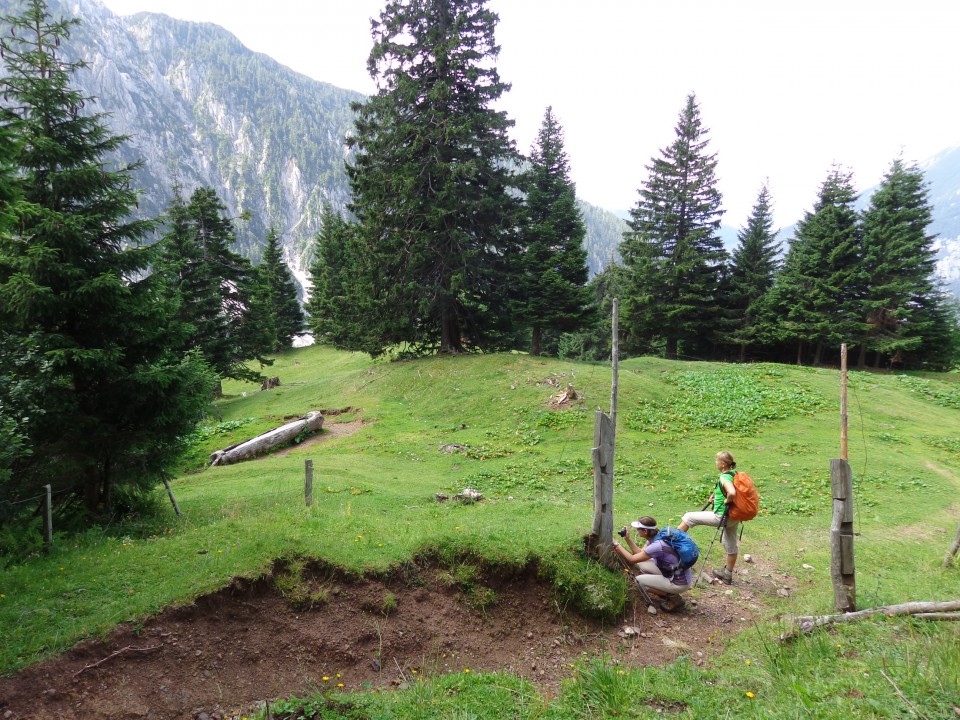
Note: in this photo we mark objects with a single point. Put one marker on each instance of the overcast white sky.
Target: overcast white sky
(786, 89)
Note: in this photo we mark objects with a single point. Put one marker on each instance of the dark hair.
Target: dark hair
(647, 520)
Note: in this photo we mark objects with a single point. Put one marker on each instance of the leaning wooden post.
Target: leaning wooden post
(308, 481)
(173, 500)
(47, 519)
(948, 558)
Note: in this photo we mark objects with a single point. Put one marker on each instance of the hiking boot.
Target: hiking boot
(673, 603)
(723, 574)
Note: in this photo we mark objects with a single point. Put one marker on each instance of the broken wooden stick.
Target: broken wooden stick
(128, 648)
(809, 623)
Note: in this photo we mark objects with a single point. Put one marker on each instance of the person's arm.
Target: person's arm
(634, 548)
(729, 491)
(639, 556)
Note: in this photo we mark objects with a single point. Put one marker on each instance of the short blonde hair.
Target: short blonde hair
(727, 459)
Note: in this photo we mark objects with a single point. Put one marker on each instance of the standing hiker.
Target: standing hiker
(652, 560)
(722, 499)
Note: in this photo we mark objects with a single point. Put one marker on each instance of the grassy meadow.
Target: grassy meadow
(484, 421)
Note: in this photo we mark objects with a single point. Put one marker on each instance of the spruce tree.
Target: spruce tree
(553, 292)
(754, 267)
(279, 290)
(899, 305)
(816, 296)
(74, 288)
(673, 252)
(339, 306)
(213, 287)
(431, 180)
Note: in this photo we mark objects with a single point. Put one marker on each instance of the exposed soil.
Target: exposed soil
(226, 653)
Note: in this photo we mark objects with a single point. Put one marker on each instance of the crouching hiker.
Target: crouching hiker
(660, 571)
(721, 500)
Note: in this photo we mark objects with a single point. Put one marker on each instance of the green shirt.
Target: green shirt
(719, 499)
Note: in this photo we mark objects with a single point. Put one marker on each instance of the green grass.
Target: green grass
(374, 509)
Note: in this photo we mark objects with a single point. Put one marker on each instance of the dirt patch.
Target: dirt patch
(329, 432)
(227, 652)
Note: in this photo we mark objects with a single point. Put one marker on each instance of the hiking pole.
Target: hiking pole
(723, 524)
(639, 587)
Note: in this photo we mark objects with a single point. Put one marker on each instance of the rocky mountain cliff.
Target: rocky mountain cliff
(202, 109)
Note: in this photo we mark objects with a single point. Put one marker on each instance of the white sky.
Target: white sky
(786, 89)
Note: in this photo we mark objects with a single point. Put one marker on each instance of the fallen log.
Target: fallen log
(809, 623)
(309, 423)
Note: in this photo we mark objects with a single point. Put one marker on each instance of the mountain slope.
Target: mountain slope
(202, 109)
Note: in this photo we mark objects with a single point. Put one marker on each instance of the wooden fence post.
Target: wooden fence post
(603, 485)
(843, 401)
(308, 482)
(842, 569)
(841, 537)
(47, 519)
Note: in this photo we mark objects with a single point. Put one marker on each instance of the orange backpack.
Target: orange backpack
(747, 501)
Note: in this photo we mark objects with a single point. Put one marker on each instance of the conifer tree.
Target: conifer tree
(213, 286)
(815, 298)
(553, 292)
(755, 264)
(900, 303)
(73, 288)
(431, 180)
(279, 290)
(339, 305)
(673, 252)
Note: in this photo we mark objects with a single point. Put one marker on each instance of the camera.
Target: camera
(622, 532)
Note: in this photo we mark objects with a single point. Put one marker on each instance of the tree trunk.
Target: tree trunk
(862, 359)
(800, 352)
(91, 492)
(536, 341)
(671, 350)
(818, 354)
(309, 423)
(743, 352)
(449, 332)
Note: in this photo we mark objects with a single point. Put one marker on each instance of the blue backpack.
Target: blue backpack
(683, 545)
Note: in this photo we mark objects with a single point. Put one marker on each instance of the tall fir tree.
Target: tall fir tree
(755, 262)
(815, 300)
(74, 288)
(432, 181)
(673, 252)
(212, 286)
(339, 304)
(900, 305)
(279, 291)
(553, 293)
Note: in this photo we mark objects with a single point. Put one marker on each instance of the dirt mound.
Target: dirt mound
(229, 651)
